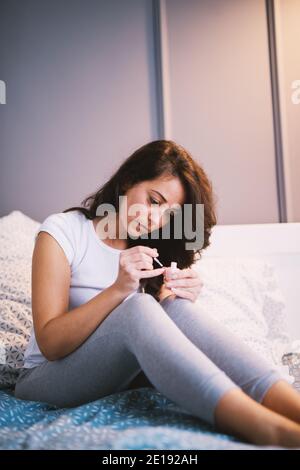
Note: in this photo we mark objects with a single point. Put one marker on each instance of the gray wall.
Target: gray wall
(83, 92)
(80, 97)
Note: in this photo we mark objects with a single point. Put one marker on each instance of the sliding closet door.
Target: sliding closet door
(219, 103)
(287, 14)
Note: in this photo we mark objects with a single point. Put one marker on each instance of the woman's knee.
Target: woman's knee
(135, 309)
(143, 315)
(175, 304)
(140, 301)
(142, 297)
(142, 305)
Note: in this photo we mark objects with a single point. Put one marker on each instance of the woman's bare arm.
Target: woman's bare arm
(59, 331)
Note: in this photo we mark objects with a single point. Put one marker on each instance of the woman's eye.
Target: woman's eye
(153, 201)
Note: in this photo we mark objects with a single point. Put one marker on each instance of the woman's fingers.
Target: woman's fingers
(181, 273)
(184, 282)
(151, 273)
(142, 265)
(185, 294)
(186, 285)
(140, 257)
(138, 250)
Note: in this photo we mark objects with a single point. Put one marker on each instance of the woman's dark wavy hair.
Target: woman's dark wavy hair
(160, 158)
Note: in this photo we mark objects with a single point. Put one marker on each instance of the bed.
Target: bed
(250, 274)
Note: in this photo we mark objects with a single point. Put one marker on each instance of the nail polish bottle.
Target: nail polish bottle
(173, 269)
(174, 266)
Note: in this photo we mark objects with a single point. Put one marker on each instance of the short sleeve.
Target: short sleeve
(59, 226)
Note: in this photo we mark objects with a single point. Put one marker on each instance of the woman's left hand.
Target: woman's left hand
(185, 283)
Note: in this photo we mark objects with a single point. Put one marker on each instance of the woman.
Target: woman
(103, 313)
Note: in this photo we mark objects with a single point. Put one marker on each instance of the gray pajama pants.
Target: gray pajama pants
(189, 357)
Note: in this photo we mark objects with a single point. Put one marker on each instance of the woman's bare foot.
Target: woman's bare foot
(288, 435)
(238, 414)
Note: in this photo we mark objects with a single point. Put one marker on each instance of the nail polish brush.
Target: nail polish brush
(158, 262)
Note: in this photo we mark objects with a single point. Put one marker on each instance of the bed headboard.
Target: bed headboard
(278, 243)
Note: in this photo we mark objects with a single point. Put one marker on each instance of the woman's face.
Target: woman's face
(154, 197)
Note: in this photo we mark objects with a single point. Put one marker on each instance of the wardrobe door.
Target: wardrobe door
(219, 100)
(287, 16)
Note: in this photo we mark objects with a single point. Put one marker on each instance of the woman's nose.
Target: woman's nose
(154, 218)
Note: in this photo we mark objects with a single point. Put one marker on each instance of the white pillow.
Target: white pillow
(243, 294)
(16, 246)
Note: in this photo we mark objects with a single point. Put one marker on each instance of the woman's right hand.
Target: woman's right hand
(135, 263)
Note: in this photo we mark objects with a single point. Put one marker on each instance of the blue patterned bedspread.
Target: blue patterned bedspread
(141, 418)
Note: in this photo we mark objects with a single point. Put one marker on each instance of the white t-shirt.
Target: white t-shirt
(94, 265)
